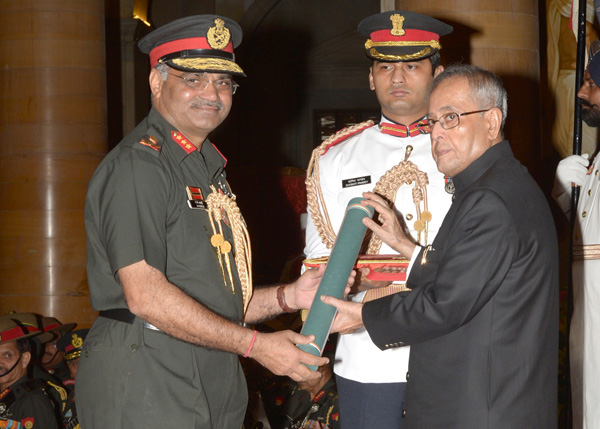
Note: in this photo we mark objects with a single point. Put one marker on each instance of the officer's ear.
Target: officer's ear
(156, 82)
(25, 359)
(438, 70)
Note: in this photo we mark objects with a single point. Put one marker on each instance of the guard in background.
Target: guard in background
(584, 341)
(392, 158)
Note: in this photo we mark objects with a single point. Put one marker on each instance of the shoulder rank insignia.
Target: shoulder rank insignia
(316, 204)
(151, 142)
(183, 142)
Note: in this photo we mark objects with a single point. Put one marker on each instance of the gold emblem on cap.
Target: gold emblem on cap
(218, 36)
(76, 341)
(397, 21)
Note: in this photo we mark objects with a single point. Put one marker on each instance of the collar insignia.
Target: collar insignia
(183, 142)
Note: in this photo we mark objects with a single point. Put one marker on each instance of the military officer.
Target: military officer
(52, 359)
(169, 260)
(71, 345)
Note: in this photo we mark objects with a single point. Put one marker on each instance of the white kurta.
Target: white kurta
(366, 157)
(585, 324)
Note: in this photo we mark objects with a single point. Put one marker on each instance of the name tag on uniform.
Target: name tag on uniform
(357, 181)
(195, 199)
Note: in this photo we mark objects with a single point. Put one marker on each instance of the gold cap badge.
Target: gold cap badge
(397, 21)
(76, 341)
(218, 36)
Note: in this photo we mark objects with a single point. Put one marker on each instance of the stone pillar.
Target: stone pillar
(52, 136)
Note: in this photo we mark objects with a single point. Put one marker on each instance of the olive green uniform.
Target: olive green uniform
(26, 402)
(139, 207)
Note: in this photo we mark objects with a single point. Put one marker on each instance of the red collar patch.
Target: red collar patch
(28, 422)
(400, 130)
(183, 142)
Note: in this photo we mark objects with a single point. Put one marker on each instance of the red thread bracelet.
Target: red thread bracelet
(251, 343)
(281, 300)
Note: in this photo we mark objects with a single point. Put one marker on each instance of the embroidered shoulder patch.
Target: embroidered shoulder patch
(28, 422)
(152, 140)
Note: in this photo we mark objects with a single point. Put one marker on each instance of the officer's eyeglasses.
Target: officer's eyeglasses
(452, 119)
(223, 86)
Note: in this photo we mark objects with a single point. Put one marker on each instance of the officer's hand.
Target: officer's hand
(571, 172)
(349, 315)
(278, 353)
(300, 294)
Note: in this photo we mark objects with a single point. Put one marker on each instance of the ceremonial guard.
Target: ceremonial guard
(392, 158)
(584, 341)
(23, 400)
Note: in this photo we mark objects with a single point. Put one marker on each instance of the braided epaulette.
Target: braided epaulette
(316, 203)
(344, 134)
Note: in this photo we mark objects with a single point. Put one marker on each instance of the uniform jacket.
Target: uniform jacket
(348, 169)
(482, 318)
(584, 341)
(28, 404)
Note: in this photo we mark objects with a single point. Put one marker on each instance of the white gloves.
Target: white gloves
(572, 169)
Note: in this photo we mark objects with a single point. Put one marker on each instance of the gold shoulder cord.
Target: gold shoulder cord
(404, 173)
(314, 194)
(220, 205)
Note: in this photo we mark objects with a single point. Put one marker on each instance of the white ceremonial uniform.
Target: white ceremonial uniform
(584, 339)
(346, 171)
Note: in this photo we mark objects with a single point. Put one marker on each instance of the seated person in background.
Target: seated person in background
(32, 324)
(22, 399)
(70, 345)
(307, 404)
(52, 359)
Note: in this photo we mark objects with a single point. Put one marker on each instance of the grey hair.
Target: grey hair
(163, 69)
(485, 88)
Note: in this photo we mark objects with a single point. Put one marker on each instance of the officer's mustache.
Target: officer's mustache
(201, 102)
(585, 103)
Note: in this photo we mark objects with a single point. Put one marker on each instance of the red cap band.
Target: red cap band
(182, 45)
(12, 334)
(55, 325)
(410, 35)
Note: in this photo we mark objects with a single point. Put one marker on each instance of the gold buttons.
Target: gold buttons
(584, 214)
(409, 217)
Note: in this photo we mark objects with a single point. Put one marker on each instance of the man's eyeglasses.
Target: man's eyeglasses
(452, 119)
(223, 86)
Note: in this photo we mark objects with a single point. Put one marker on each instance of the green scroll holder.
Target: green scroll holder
(343, 256)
